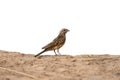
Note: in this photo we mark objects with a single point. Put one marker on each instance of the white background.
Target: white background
(28, 25)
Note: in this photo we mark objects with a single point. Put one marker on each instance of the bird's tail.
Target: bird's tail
(39, 53)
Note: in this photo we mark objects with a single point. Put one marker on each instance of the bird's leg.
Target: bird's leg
(58, 51)
(55, 52)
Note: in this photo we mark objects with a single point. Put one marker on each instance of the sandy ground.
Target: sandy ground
(19, 66)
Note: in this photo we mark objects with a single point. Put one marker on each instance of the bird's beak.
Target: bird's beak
(68, 30)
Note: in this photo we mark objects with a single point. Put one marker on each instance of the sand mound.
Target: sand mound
(19, 66)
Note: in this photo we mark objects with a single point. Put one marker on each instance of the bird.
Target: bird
(56, 44)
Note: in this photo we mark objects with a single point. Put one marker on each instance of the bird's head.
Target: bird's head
(64, 31)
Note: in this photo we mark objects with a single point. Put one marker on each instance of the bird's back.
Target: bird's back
(56, 43)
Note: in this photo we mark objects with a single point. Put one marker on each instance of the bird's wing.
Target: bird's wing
(52, 44)
(57, 41)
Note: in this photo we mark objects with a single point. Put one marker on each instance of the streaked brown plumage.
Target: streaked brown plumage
(57, 43)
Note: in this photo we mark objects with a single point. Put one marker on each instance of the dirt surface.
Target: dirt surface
(19, 66)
